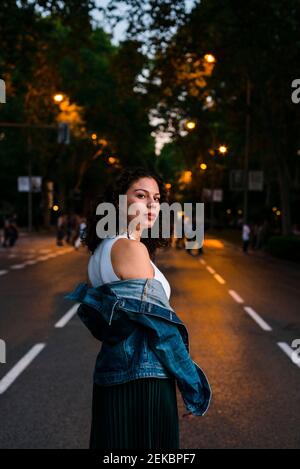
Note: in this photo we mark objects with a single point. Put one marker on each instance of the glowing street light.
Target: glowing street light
(168, 186)
(94, 136)
(58, 98)
(190, 125)
(112, 160)
(203, 166)
(223, 149)
(55, 208)
(210, 58)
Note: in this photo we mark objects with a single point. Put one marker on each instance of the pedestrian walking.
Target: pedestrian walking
(246, 237)
(134, 404)
(81, 233)
(10, 231)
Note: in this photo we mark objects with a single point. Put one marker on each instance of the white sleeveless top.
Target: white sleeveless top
(100, 269)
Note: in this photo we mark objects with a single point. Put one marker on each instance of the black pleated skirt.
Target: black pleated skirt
(138, 414)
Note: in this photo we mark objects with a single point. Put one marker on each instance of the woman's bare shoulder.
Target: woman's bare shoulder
(130, 259)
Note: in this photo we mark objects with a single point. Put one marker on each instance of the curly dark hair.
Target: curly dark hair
(111, 194)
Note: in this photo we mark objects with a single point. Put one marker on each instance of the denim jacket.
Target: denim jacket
(141, 336)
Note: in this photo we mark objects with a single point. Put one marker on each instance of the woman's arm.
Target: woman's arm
(130, 259)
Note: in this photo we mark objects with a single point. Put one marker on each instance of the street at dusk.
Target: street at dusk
(250, 374)
(149, 227)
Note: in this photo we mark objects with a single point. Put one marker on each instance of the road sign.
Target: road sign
(256, 181)
(23, 184)
(216, 195)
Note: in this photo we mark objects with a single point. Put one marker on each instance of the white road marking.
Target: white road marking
(44, 251)
(203, 261)
(289, 351)
(236, 296)
(42, 258)
(31, 262)
(219, 279)
(210, 269)
(17, 266)
(3, 272)
(13, 374)
(257, 318)
(12, 255)
(66, 318)
(51, 256)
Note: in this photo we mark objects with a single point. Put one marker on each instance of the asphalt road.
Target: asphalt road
(242, 314)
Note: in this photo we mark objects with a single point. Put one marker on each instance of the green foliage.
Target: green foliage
(49, 47)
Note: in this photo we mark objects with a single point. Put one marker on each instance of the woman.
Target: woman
(141, 413)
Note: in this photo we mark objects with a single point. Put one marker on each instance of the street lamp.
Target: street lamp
(210, 58)
(190, 125)
(112, 160)
(203, 166)
(58, 98)
(222, 149)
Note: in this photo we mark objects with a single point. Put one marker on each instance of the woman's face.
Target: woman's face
(145, 194)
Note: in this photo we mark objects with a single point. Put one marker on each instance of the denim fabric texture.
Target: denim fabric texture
(141, 337)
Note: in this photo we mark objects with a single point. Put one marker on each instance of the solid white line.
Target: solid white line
(44, 251)
(257, 318)
(289, 351)
(42, 258)
(210, 269)
(66, 318)
(12, 375)
(236, 296)
(220, 279)
(3, 272)
(17, 266)
(51, 256)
